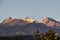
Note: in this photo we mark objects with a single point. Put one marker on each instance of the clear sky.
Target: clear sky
(37, 9)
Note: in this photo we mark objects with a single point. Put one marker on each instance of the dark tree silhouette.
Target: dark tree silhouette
(50, 35)
(37, 35)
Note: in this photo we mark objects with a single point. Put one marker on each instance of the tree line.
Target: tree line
(49, 35)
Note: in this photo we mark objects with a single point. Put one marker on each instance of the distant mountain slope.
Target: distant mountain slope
(50, 22)
(11, 27)
(28, 29)
(11, 21)
(7, 20)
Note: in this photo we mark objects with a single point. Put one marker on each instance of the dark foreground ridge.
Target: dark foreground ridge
(26, 37)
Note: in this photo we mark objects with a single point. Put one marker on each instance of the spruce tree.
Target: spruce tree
(50, 35)
(37, 35)
(42, 36)
(57, 38)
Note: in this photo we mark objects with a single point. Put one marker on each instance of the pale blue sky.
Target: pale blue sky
(37, 9)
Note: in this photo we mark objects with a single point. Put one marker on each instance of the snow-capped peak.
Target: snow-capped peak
(50, 22)
(29, 20)
(7, 20)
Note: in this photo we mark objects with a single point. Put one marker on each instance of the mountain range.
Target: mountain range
(27, 26)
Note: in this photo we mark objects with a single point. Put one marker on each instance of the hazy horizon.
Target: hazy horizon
(37, 9)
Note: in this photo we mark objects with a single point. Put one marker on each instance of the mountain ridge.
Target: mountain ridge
(11, 26)
(47, 21)
(50, 22)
